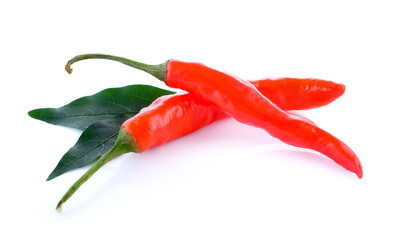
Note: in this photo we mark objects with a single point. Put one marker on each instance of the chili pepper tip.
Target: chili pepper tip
(359, 171)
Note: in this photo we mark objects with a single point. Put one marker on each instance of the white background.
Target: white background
(226, 181)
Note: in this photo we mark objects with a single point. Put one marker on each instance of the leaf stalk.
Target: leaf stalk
(124, 144)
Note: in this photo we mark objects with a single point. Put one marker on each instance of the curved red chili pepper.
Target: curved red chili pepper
(246, 104)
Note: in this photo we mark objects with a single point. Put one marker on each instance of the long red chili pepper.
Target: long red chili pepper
(242, 101)
(173, 116)
(247, 105)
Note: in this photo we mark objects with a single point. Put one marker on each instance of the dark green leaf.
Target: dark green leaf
(100, 116)
(95, 140)
(81, 113)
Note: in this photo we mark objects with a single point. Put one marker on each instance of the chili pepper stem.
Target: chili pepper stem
(158, 71)
(124, 144)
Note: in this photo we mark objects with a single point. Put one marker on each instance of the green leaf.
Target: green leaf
(81, 113)
(95, 140)
(100, 116)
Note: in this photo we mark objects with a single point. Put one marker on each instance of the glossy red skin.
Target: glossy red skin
(242, 101)
(299, 94)
(173, 116)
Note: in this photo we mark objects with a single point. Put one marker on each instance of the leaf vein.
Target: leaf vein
(74, 161)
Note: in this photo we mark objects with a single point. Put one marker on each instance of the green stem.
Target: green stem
(124, 144)
(158, 71)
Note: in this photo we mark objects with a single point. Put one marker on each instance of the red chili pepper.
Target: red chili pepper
(173, 116)
(242, 101)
